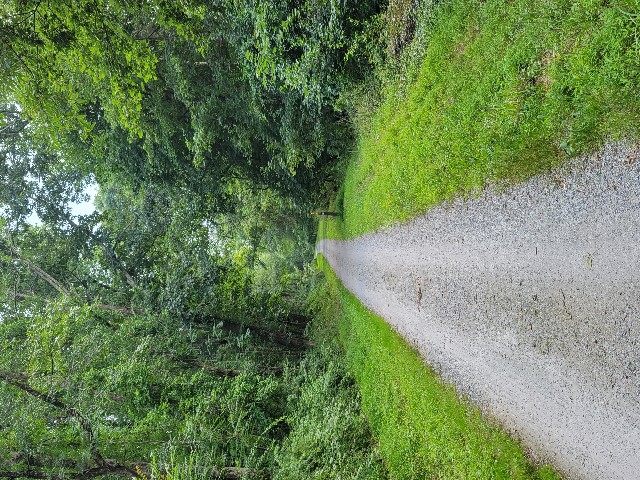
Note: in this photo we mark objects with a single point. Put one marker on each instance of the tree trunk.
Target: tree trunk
(102, 465)
(57, 285)
(279, 338)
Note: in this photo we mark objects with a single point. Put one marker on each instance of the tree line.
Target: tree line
(161, 336)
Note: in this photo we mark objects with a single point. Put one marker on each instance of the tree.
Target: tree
(96, 394)
(156, 335)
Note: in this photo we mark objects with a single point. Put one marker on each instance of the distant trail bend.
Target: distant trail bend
(528, 300)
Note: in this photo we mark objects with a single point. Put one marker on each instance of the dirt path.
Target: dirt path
(529, 302)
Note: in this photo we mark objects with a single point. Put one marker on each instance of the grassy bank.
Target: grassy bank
(475, 93)
(422, 427)
(490, 92)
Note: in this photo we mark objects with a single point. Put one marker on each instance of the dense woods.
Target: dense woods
(165, 335)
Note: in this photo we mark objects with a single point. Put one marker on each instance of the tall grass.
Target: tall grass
(329, 434)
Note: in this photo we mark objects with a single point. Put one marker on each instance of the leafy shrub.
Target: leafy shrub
(330, 438)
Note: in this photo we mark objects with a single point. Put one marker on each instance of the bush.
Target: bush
(330, 438)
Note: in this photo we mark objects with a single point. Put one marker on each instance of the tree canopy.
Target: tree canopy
(159, 336)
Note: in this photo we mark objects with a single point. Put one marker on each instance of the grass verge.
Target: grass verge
(423, 429)
(489, 92)
(330, 437)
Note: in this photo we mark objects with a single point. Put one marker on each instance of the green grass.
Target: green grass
(329, 434)
(489, 92)
(492, 92)
(422, 427)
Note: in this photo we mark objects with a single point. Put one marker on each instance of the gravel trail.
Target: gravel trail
(528, 300)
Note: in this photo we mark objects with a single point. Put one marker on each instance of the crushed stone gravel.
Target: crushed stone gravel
(527, 299)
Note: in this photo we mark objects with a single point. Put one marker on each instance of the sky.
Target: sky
(82, 208)
(85, 208)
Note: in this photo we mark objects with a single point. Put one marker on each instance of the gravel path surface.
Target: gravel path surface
(528, 300)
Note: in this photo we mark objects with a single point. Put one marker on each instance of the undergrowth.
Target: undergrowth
(330, 436)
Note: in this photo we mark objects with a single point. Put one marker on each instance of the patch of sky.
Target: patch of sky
(85, 207)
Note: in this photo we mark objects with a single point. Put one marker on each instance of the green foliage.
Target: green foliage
(199, 94)
(126, 338)
(157, 332)
(134, 383)
(63, 56)
(330, 437)
(163, 336)
(488, 93)
(302, 56)
(303, 47)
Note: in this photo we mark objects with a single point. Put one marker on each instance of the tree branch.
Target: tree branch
(8, 130)
(57, 285)
(44, 275)
(102, 466)
(107, 249)
(21, 382)
(36, 269)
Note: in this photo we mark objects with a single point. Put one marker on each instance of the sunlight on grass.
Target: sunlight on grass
(488, 93)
